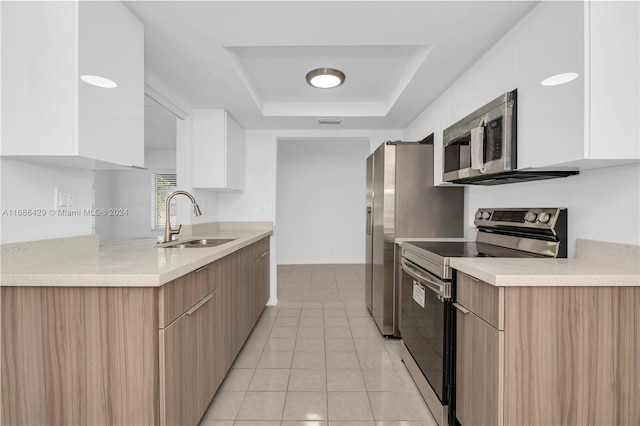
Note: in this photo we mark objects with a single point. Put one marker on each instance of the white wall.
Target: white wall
(130, 190)
(603, 204)
(31, 186)
(160, 159)
(124, 189)
(258, 201)
(320, 201)
(104, 189)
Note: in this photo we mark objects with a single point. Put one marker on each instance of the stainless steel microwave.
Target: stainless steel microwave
(483, 143)
(481, 149)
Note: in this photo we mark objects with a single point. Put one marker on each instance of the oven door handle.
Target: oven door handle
(442, 289)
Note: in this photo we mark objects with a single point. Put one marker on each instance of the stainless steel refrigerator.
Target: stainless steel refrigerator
(402, 202)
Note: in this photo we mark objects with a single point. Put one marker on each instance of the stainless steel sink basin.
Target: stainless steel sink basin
(209, 242)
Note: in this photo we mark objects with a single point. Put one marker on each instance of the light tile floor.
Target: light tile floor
(317, 359)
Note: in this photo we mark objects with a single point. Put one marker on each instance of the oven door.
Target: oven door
(426, 307)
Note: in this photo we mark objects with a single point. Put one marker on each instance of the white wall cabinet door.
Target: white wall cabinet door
(111, 121)
(440, 116)
(462, 96)
(496, 73)
(218, 151)
(591, 121)
(550, 118)
(614, 70)
(47, 111)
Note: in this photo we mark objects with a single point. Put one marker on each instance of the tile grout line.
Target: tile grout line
(370, 343)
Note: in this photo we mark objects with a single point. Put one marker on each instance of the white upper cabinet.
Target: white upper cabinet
(496, 72)
(218, 152)
(591, 121)
(492, 75)
(614, 69)
(48, 113)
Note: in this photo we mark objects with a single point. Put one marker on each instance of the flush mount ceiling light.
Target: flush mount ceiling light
(558, 79)
(325, 78)
(96, 80)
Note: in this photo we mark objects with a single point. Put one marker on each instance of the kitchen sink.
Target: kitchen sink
(208, 242)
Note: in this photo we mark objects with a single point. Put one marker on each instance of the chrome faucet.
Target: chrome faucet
(168, 231)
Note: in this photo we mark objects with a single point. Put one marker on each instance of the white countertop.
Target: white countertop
(135, 262)
(510, 272)
(598, 263)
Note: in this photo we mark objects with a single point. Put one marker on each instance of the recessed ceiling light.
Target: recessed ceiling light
(96, 80)
(325, 78)
(557, 79)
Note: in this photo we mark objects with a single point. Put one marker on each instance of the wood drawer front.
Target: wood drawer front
(179, 295)
(481, 298)
(260, 247)
(189, 363)
(479, 371)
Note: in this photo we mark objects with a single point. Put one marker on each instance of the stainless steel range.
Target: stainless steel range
(427, 322)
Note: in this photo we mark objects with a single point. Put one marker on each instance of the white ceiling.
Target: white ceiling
(251, 57)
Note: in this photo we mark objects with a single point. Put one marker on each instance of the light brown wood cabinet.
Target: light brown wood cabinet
(479, 345)
(189, 370)
(125, 356)
(262, 272)
(547, 355)
(244, 288)
(179, 372)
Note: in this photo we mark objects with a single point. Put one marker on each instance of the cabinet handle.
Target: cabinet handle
(199, 304)
(202, 268)
(461, 308)
(264, 254)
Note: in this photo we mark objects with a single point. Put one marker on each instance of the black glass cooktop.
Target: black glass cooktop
(464, 249)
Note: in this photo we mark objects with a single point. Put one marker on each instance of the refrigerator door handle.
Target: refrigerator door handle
(369, 222)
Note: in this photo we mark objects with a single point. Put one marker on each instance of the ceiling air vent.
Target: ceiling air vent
(330, 120)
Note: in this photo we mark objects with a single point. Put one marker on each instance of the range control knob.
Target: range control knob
(486, 215)
(544, 217)
(531, 217)
(478, 214)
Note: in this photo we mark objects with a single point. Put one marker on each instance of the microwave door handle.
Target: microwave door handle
(438, 288)
(477, 146)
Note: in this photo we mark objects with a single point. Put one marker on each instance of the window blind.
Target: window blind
(163, 184)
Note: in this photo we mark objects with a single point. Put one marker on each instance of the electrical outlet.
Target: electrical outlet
(71, 200)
